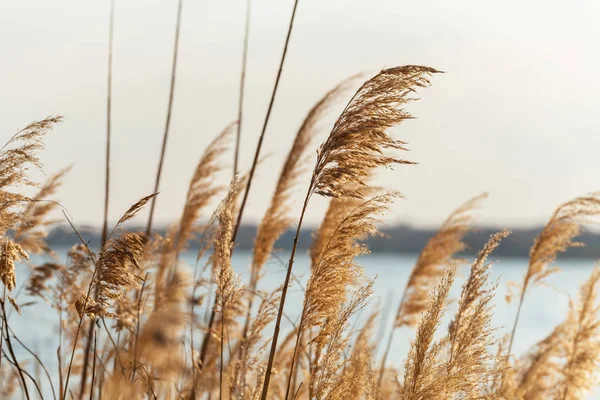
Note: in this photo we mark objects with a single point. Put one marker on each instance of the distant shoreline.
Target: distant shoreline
(400, 239)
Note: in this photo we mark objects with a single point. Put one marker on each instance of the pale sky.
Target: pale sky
(515, 113)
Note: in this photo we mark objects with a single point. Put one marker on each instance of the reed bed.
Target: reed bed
(135, 322)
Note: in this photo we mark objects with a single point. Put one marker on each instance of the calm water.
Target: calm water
(544, 307)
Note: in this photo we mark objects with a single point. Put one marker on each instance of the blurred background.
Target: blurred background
(514, 114)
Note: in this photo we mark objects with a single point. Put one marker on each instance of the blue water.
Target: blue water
(544, 306)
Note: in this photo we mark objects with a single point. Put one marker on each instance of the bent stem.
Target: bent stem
(288, 275)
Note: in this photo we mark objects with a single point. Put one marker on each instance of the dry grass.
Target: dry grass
(148, 320)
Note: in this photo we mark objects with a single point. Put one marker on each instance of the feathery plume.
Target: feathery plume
(557, 236)
(336, 271)
(470, 333)
(430, 268)
(582, 348)
(276, 219)
(356, 146)
(434, 257)
(16, 156)
(358, 141)
(423, 363)
(10, 253)
(30, 233)
(202, 188)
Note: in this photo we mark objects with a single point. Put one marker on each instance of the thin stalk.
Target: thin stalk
(137, 329)
(388, 346)
(168, 121)
(241, 95)
(10, 348)
(38, 360)
(222, 359)
(293, 362)
(288, 274)
(89, 291)
(265, 124)
(514, 329)
(86, 359)
(206, 339)
(108, 120)
(37, 387)
(106, 178)
(94, 366)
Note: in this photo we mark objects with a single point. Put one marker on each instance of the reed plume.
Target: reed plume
(336, 271)
(16, 157)
(430, 268)
(470, 334)
(557, 236)
(421, 378)
(582, 347)
(10, 253)
(31, 230)
(356, 145)
(332, 340)
(202, 188)
(276, 219)
(357, 380)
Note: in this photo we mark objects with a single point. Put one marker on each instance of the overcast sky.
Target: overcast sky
(515, 113)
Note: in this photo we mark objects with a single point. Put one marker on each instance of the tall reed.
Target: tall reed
(163, 148)
(356, 145)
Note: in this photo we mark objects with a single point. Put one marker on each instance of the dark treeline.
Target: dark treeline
(398, 239)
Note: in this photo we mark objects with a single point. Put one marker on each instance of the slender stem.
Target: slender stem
(514, 329)
(388, 346)
(37, 387)
(205, 340)
(137, 329)
(222, 359)
(168, 121)
(241, 95)
(288, 274)
(292, 363)
(94, 366)
(265, 124)
(108, 120)
(10, 348)
(86, 359)
(87, 296)
(37, 359)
